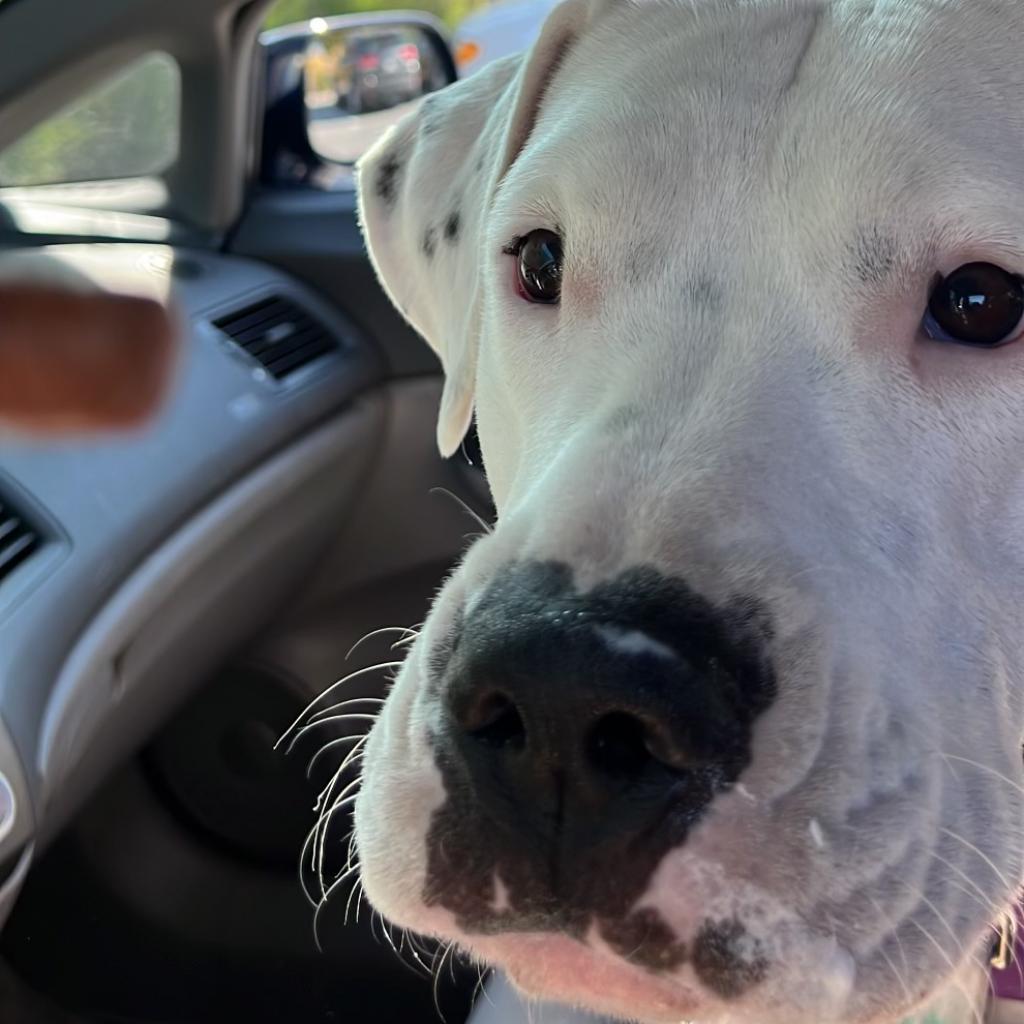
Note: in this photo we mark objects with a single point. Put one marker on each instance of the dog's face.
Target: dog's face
(723, 720)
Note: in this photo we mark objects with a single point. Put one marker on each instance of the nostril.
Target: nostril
(495, 721)
(619, 746)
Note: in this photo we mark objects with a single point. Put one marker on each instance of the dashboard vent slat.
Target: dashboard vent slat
(282, 367)
(274, 349)
(18, 540)
(278, 334)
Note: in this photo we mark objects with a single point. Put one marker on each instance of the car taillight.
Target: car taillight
(369, 62)
(409, 52)
(466, 52)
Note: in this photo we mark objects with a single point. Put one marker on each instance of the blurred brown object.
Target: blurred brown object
(74, 362)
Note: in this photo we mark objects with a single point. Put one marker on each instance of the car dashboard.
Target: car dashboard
(131, 564)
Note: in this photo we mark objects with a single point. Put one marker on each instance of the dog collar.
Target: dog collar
(1006, 971)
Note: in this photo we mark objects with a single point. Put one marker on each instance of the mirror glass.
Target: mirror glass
(360, 80)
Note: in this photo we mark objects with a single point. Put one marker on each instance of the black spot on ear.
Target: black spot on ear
(429, 245)
(387, 179)
(452, 226)
(874, 256)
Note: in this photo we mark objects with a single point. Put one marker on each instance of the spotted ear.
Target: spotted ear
(425, 190)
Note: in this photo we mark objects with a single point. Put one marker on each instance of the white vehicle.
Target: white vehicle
(503, 28)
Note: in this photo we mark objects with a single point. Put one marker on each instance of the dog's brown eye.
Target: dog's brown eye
(539, 261)
(979, 304)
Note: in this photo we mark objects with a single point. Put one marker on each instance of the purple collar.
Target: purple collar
(1007, 970)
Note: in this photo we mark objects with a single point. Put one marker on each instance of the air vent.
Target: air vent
(18, 540)
(277, 333)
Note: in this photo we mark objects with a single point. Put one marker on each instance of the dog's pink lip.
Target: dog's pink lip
(557, 968)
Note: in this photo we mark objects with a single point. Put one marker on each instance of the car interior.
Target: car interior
(173, 598)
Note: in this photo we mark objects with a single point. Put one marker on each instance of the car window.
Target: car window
(127, 127)
(286, 12)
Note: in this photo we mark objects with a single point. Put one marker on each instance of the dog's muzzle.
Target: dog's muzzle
(584, 735)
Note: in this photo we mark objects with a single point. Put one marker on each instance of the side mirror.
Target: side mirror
(333, 85)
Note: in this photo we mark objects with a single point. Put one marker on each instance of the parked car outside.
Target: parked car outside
(382, 70)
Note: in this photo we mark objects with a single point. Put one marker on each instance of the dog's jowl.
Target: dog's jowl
(723, 720)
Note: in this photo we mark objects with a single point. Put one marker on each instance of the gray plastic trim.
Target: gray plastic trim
(17, 824)
(124, 648)
(9, 809)
(12, 887)
(17, 829)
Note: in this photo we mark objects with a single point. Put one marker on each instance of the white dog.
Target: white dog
(724, 719)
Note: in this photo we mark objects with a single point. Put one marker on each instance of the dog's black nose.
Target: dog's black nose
(583, 719)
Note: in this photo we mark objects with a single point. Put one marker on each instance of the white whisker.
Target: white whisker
(984, 900)
(375, 633)
(939, 916)
(479, 520)
(899, 977)
(327, 794)
(1016, 786)
(480, 988)
(331, 745)
(439, 967)
(350, 703)
(934, 941)
(982, 856)
(894, 931)
(330, 689)
(323, 823)
(349, 860)
(323, 903)
(302, 860)
(351, 716)
(354, 894)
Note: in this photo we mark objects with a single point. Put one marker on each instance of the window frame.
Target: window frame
(215, 45)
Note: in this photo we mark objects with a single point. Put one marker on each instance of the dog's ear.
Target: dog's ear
(425, 189)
